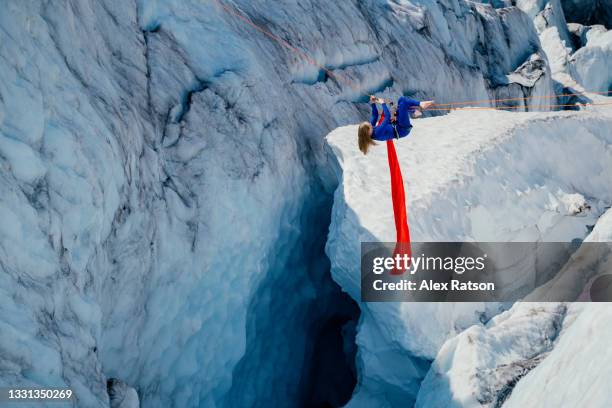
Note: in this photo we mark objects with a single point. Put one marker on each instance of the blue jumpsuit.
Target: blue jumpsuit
(386, 130)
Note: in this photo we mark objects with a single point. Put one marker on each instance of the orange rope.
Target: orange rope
(519, 99)
(450, 105)
(516, 107)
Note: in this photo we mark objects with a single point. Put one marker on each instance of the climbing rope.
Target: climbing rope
(518, 107)
(519, 98)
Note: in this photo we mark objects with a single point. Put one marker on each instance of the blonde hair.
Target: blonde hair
(364, 139)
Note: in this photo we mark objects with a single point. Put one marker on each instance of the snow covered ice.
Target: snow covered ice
(483, 364)
(166, 189)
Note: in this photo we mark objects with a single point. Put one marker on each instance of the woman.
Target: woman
(390, 127)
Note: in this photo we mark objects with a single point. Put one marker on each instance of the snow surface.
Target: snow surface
(602, 231)
(479, 366)
(469, 176)
(530, 355)
(576, 372)
(534, 355)
(582, 348)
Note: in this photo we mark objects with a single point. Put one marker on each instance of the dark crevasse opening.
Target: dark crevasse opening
(300, 346)
(329, 379)
(588, 13)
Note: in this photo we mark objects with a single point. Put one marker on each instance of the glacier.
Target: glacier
(167, 190)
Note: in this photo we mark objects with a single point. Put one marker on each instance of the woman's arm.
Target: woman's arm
(374, 116)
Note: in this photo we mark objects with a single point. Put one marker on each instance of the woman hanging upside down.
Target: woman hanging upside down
(392, 126)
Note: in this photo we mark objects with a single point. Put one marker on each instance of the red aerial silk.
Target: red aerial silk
(398, 196)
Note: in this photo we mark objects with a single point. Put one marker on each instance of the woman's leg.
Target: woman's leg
(403, 112)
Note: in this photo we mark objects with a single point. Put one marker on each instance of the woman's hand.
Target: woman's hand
(426, 104)
(372, 99)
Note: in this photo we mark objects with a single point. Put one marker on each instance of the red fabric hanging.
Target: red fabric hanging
(398, 196)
